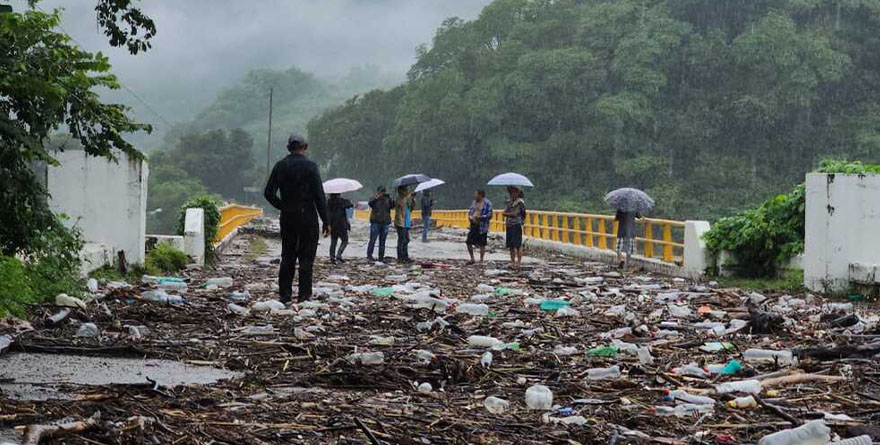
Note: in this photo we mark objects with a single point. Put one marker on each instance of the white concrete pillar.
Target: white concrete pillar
(696, 255)
(194, 235)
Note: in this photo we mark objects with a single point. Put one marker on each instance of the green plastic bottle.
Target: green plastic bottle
(603, 351)
(554, 305)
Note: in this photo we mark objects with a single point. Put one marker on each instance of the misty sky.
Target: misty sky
(205, 45)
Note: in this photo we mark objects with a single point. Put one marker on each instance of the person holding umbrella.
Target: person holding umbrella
(403, 221)
(630, 203)
(515, 213)
(301, 203)
(380, 218)
(479, 215)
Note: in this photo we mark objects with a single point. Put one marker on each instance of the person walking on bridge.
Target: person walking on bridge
(301, 203)
(380, 219)
(403, 221)
(515, 213)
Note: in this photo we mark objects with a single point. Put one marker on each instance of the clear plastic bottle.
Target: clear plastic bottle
(746, 386)
(87, 330)
(486, 359)
(691, 409)
(783, 358)
(743, 402)
(178, 286)
(645, 357)
(159, 296)
(267, 306)
(691, 398)
(483, 287)
(222, 282)
(691, 370)
(240, 296)
(483, 341)
(539, 397)
(378, 340)
(366, 358)
(810, 433)
(237, 310)
(603, 373)
(860, 440)
(472, 309)
(495, 405)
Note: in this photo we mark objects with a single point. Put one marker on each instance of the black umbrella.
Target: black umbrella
(413, 179)
(629, 200)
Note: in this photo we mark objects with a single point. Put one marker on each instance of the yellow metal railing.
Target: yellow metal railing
(659, 238)
(233, 216)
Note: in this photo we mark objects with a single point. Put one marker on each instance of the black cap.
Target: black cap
(381, 189)
(295, 141)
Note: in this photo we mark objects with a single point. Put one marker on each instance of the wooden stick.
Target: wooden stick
(367, 431)
(33, 434)
(801, 378)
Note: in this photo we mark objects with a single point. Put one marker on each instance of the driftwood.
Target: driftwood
(801, 378)
(33, 434)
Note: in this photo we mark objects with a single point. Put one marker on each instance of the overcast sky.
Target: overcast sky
(205, 45)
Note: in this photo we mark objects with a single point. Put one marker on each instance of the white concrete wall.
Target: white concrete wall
(106, 200)
(842, 228)
(194, 235)
(696, 254)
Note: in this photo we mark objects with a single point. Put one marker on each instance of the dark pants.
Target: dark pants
(380, 232)
(342, 238)
(402, 243)
(426, 224)
(299, 242)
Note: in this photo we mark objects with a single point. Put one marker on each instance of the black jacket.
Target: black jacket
(302, 193)
(336, 208)
(380, 210)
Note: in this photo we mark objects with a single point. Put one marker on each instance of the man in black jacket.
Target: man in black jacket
(302, 201)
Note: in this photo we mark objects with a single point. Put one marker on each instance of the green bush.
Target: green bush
(15, 287)
(55, 265)
(165, 259)
(764, 239)
(211, 206)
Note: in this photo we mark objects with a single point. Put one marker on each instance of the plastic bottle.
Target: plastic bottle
(603, 351)
(603, 373)
(267, 306)
(159, 296)
(425, 388)
(92, 285)
(472, 309)
(746, 386)
(486, 359)
(567, 312)
(428, 302)
(366, 358)
(743, 402)
(175, 299)
(482, 287)
(495, 405)
(539, 397)
(240, 296)
(783, 358)
(691, 398)
(509, 291)
(860, 440)
(565, 350)
(381, 341)
(481, 297)
(483, 341)
(810, 433)
(68, 301)
(138, 331)
(423, 357)
(679, 311)
(395, 278)
(178, 286)
(258, 330)
(87, 330)
(691, 370)
(690, 409)
(222, 282)
(553, 305)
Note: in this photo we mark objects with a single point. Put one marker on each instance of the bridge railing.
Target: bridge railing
(233, 216)
(657, 238)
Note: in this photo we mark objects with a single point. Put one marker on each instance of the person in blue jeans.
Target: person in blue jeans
(380, 219)
(427, 207)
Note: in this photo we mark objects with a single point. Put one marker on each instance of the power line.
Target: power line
(124, 86)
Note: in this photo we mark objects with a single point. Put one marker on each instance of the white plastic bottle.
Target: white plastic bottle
(810, 433)
(783, 358)
(746, 386)
(472, 309)
(539, 397)
(222, 282)
(691, 370)
(691, 398)
(691, 409)
(603, 373)
(486, 359)
(483, 341)
(743, 402)
(495, 405)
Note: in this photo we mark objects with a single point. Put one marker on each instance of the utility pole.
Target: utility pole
(269, 141)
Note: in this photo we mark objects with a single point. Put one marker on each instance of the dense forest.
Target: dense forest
(709, 105)
(223, 149)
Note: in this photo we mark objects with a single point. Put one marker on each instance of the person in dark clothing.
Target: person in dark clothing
(301, 203)
(626, 235)
(427, 207)
(380, 219)
(337, 208)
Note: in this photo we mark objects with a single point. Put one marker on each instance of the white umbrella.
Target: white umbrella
(514, 179)
(341, 185)
(429, 185)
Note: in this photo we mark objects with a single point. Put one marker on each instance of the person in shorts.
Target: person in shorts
(626, 236)
(479, 215)
(515, 213)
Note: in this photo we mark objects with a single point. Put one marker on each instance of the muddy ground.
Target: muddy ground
(298, 382)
